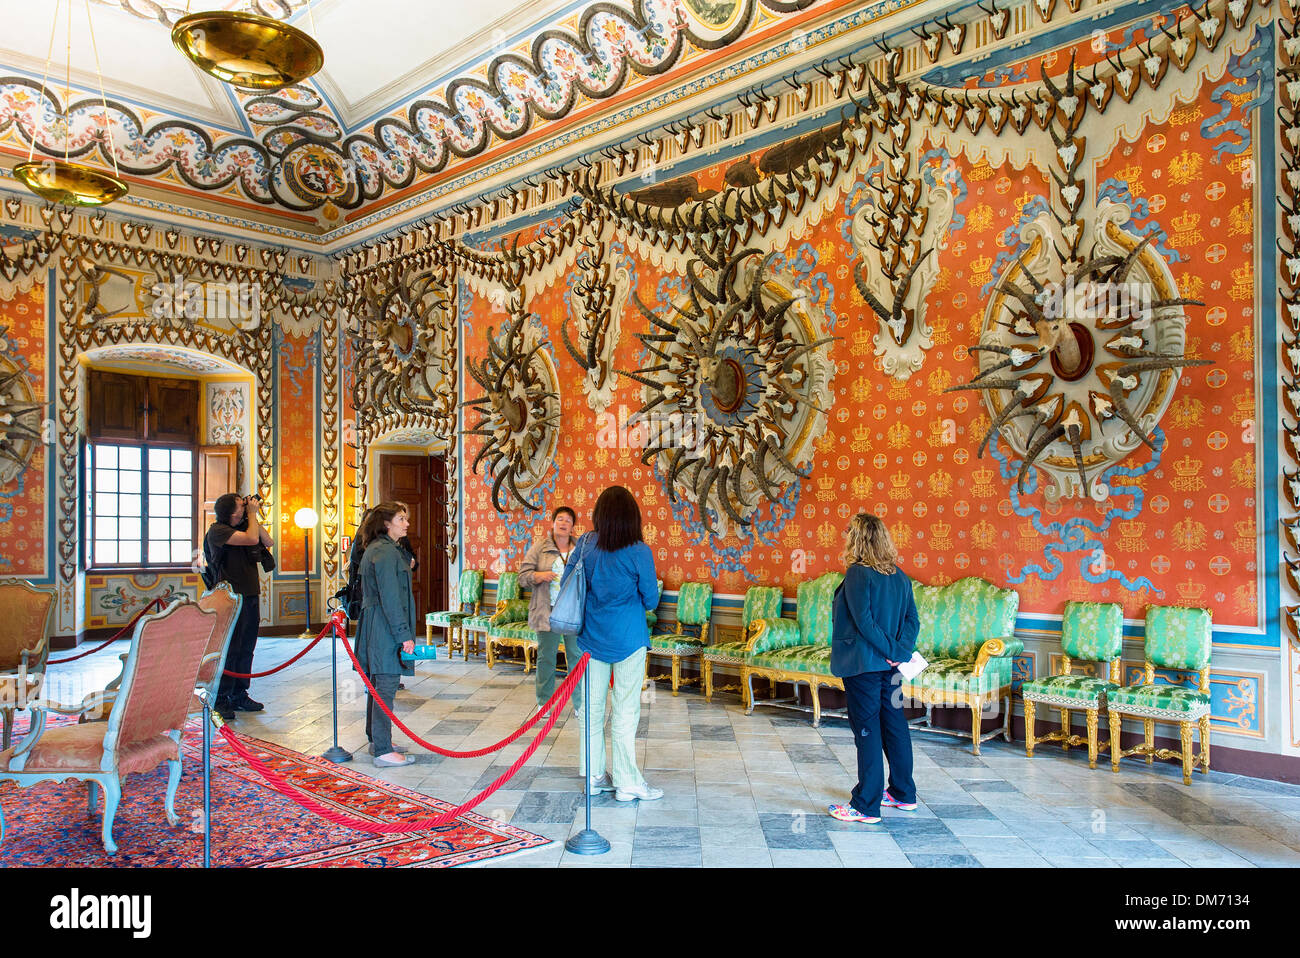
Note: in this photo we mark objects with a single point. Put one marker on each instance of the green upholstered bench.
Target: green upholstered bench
(967, 636)
(795, 650)
(476, 626)
(761, 602)
(694, 610)
(508, 629)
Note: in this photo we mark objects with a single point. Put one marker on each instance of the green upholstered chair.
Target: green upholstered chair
(24, 647)
(694, 610)
(795, 650)
(1093, 632)
(508, 629)
(1177, 638)
(469, 595)
(967, 636)
(761, 602)
(474, 628)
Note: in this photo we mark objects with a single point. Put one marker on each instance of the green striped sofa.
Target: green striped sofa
(968, 637)
(761, 602)
(795, 650)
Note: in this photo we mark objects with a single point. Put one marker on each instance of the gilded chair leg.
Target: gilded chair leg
(112, 793)
(706, 667)
(1149, 735)
(428, 634)
(491, 657)
(677, 673)
(813, 688)
(975, 727)
(1112, 720)
(1029, 728)
(1205, 744)
(1185, 733)
(1092, 737)
(1065, 729)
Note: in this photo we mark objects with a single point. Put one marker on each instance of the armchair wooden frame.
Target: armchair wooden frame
(1190, 760)
(155, 662)
(1065, 734)
(22, 677)
(676, 655)
(914, 695)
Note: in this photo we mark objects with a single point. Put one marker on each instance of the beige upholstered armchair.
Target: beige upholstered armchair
(143, 729)
(24, 647)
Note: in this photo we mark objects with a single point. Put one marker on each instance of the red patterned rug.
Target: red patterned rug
(48, 825)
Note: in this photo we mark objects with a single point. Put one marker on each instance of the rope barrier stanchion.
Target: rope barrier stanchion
(156, 600)
(420, 825)
(588, 841)
(336, 753)
(207, 778)
(448, 753)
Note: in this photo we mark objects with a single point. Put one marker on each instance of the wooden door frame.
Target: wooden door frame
(438, 594)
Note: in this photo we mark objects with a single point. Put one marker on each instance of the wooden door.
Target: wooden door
(218, 470)
(117, 406)
(417, 481)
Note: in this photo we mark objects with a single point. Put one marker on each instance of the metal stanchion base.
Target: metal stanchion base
(587, 842)
(338, 755)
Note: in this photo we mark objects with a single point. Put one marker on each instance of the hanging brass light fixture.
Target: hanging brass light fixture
(248, 51)
(64, 181)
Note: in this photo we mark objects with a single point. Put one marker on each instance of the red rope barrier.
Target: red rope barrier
(156, 600)
(450, 753)
(261, 675)
(420, 825)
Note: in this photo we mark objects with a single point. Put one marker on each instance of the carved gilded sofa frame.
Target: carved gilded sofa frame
(761, 602)
(795, 651)
(475, 627)
(508, 629)
(956, 622)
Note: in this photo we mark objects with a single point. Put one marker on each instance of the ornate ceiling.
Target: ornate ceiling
(414, 96)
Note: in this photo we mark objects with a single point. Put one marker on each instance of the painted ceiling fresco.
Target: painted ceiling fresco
(296, 156)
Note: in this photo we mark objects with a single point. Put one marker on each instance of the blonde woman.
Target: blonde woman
(874, 628)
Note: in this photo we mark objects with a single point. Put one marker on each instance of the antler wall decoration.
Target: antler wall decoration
(520, 411)
(734, 387)
(1082, 354)
(599, 297)
(21, 418)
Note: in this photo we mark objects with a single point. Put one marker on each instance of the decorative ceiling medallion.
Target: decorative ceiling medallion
(314, 173)
(246, 50)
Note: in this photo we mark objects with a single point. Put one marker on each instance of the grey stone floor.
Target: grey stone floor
(752, 790)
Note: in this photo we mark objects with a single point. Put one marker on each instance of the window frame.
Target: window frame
(88, 513)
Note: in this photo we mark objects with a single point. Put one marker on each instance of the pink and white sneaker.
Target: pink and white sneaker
(890, 802)
(847, 813)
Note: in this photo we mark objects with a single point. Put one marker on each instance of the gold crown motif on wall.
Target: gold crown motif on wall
(1187, 466)
(982, 264)
(1186, 222)
(1190, 591)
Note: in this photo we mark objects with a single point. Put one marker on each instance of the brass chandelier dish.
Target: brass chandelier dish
(247, 50)
(69, 183)
(66, 181)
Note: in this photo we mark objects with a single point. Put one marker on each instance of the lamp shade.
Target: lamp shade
(306, 518)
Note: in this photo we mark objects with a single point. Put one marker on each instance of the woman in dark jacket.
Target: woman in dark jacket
(621, 588)
(874, 628)
(388, 623)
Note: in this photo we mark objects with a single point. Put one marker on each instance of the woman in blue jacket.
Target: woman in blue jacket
(874, 628)
(621, 588)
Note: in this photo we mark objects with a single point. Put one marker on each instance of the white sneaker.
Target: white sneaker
(645, 792)
(598, 785)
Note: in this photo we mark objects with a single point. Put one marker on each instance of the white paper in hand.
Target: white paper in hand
(912, 667)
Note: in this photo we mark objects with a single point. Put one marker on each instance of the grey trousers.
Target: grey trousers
(379, 728)
(548, 645)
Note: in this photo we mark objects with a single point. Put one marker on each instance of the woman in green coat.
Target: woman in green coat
(388, 625)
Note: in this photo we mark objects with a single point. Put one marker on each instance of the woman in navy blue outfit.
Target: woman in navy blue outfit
(621, 588)
(875, 625)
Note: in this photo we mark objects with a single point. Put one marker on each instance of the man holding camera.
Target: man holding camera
(234, 546)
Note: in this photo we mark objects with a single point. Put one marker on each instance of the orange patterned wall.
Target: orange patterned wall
(296, 407)
(22, 500)
(1181, 531)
